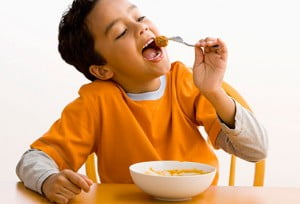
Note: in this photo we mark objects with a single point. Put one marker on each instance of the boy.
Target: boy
(139, 107)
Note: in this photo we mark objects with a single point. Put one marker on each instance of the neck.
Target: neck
(142, 87)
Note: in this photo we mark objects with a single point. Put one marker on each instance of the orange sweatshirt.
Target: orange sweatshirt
(104, 120)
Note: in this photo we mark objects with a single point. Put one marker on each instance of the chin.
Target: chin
(167, 67)
(164, 64)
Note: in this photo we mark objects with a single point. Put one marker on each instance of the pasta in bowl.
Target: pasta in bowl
(172, 180)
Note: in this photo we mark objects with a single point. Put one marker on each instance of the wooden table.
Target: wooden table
(16, 193)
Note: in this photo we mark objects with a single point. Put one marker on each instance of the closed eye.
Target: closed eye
(123, 33)
(140, 19)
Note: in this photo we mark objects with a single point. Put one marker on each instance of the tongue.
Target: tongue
(149, 53)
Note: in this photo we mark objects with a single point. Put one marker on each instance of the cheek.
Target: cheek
(101, 48)
(124, 51)
(127, 48)
(123, 55)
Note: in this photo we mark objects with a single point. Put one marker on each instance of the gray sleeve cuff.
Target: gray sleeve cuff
(238, 122)
(248, 140)
(42, 178)
(34, 167)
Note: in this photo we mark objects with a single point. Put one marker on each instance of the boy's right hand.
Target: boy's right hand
(64, 186)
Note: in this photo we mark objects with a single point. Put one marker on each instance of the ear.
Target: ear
(101, 72)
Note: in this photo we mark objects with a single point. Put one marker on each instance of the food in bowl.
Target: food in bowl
(172, 180)
(175, 172)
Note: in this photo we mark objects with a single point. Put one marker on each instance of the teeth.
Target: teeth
(148, 43)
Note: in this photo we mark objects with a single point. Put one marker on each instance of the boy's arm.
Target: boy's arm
(208, 73)
(40, 173)
(247, 135)
(224, 106)
(34, 168)
(247, 140)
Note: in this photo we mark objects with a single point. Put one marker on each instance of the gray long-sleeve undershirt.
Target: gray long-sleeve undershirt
(248, 140)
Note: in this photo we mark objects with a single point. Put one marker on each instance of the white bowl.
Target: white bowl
(171, 187)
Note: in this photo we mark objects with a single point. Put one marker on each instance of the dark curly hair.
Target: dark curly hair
(75, 42)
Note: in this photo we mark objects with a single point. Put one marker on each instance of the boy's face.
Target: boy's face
(121, 33)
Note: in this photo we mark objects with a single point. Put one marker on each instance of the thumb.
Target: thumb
(199, 56)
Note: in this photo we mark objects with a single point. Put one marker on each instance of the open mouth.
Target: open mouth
(151, 52)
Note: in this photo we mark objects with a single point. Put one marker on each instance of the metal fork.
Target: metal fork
(180, 40)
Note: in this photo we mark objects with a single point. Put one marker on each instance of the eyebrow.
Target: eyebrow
(108, 28)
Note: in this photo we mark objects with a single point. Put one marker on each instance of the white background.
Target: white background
(263, 42)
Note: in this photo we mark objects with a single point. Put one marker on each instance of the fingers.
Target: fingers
(76, 179)
(72, 187)
(88, 180)
(58, 198)
(55, 189)
(67, 193)
(213, 46)
(64, 186)
(198, 56)
(208, 42)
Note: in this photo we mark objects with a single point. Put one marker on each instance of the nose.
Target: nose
(142, 28)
